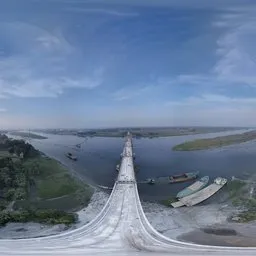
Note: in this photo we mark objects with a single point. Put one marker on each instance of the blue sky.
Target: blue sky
(84, 64)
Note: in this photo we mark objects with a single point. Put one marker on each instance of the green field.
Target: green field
(217, 142)
(52, 180)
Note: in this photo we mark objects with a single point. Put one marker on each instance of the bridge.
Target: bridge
(121, 228)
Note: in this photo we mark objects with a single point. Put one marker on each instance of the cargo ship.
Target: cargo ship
(70, 156)
(183, 177)
(174, 178)
(194, 187)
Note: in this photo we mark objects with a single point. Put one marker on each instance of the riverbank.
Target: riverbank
(37, 188)
(143, 132)
(28, 135)
(203, 144)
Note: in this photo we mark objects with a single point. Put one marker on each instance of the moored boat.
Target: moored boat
(151, 181)
(220, 181)
(70, 156)
(198, 185)
(183, 177)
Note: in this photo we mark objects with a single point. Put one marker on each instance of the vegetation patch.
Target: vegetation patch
(217, 142)
(41, 216)
(35, 187)
(169, 201)
(234, 187)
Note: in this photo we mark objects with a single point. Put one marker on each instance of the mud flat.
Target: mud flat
(230, 234)
(205, 224)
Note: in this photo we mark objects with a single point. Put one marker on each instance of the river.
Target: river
(98, 157)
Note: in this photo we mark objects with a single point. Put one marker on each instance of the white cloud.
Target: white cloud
(130, 92)
(40, 66)
(216, 99)
(236, 49)
(235, 52)
(213, 109)
(111, 12)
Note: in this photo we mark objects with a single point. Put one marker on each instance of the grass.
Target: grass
(234, 187)
(56, 185)
(238, 191)
(53, 181)
(217, 142)
(41, 216)
(5, 153)
(247, 216)
(168, 201)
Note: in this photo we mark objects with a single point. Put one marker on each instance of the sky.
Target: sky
(113, 63)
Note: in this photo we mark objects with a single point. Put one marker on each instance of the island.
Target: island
(202, 144)
(34, 187)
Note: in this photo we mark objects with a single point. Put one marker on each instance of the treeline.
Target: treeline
(17, 176)
(14, 177)
(17, 147)
(41, 216)
(13, 181)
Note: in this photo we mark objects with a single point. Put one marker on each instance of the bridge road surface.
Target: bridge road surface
(121, 228)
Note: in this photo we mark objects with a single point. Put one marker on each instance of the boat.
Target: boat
(196, 186)
(150, 181)
(183, 177)
(70, 156)
(172, 179)
(202, 194)
(220, 181)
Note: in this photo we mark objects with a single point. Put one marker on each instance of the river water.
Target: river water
(98, 157)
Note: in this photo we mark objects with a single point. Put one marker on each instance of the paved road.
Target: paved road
(120, 229)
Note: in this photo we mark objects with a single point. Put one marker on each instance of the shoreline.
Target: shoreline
(181, 224)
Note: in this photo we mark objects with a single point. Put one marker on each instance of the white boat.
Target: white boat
(196, 186)
(202, 194)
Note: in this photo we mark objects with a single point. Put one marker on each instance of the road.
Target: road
(121, 228)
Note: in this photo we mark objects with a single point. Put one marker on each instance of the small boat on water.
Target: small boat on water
(70, 156)
(173, 179)
(183, 177)
(198, 185)
(151, 181)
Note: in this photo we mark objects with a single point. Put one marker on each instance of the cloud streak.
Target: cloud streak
(41, 68)
(110, 12)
